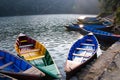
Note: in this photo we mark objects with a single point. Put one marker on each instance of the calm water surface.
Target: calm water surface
(48, 29)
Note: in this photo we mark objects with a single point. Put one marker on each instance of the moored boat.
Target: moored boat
(77, 27)
(102, 33)
(36, 54)
(81, 53)
(15, 67)
(94, 21)
(73, 27)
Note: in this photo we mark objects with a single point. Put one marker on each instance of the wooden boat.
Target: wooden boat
(18, 68)
(77, 27)
(81, 53)
(102, 33)
(36, 54)
(73, 27)
(89, 20)
(94, 20)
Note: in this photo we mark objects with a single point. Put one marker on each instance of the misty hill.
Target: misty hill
(28, 7)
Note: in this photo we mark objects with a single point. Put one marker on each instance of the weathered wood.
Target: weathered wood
(28, 51)
(87, 44)
(5, 65)
(81, 55)
(84, 49)
(24, 46)
(89, 40)
(102, 63)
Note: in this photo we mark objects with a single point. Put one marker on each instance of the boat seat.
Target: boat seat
(31, 57)
(23, 41)
(1, 58)
(89, 40)
(24, 46)
(28, 51)
(81, 55)
(86, 44)
(91, 50)
(32, 54)
(6, 65)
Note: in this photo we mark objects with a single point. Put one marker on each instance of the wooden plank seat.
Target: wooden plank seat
(90, 50)
(32, 54)
(28, 51)
(23, 41)
(24, 46)
(87, 44)
(89, 40)
(6, 65)
(81, 55)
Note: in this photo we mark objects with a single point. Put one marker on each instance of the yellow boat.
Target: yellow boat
(36, 54)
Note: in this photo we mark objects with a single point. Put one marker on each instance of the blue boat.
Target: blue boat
(77, 27)
(102, 33)
(18, 68)
(81, 53)
(73, 27)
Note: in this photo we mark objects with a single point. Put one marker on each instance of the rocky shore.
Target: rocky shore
(106, 67)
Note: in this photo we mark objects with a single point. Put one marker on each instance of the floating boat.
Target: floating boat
(36, 54)
(77, 27)
(18, 68)
(73, 27)
(102, 33)
(81, 53)
(94, 20)
(89, 20)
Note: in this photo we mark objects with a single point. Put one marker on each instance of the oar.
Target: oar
(22, 76)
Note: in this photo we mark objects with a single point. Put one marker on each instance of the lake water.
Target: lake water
(48, 29)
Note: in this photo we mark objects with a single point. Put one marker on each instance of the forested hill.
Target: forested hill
(29, 7)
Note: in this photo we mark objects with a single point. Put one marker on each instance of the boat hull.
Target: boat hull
(74, 27)
(102, 35)
(74, 71)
